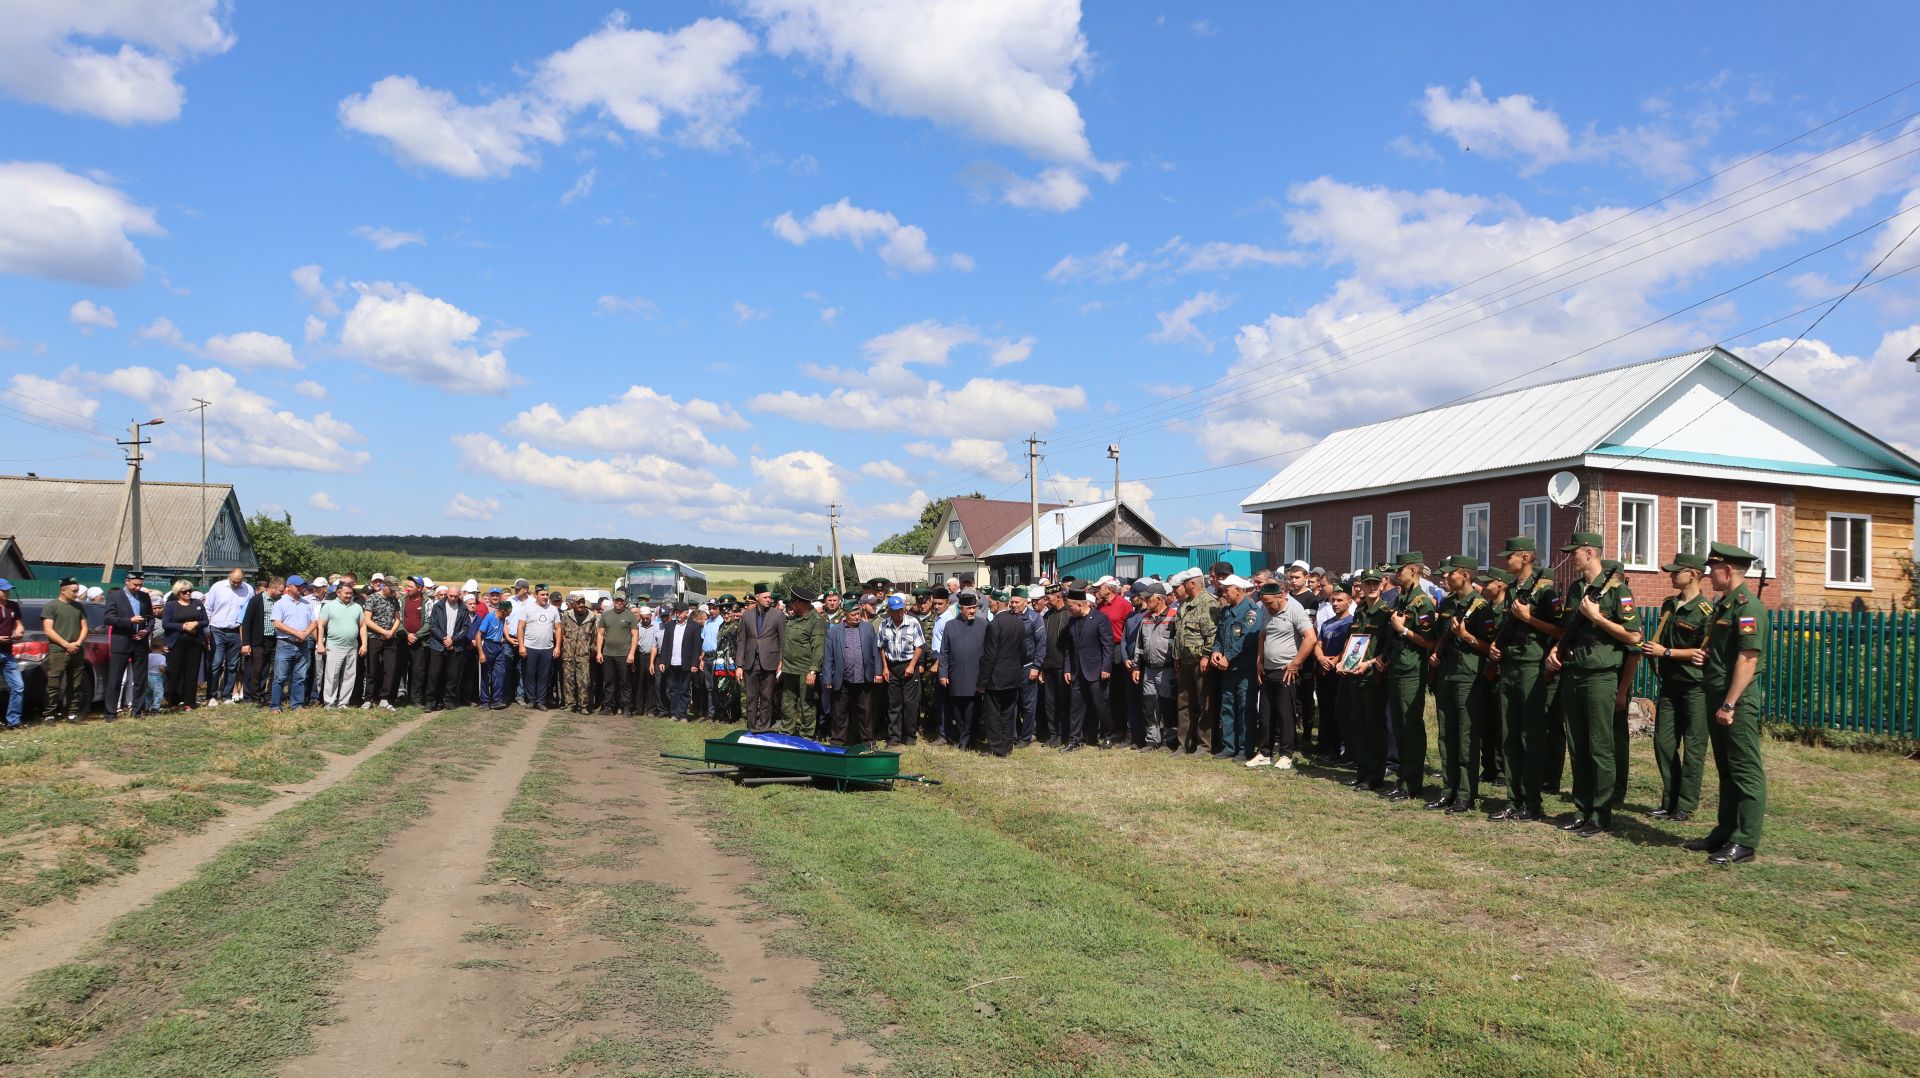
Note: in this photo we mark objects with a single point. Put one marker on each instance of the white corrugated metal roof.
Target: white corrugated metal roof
(1079, 519)
(1535, 425)
(908, 568)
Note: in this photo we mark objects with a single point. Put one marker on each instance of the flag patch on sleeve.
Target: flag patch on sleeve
(1748, 625)
(1626, 602)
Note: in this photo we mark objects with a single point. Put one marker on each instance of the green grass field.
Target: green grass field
(1123, 913)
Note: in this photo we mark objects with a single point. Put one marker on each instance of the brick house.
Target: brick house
(1671, 454)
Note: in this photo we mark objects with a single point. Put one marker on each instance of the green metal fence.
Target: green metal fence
(1838, 670)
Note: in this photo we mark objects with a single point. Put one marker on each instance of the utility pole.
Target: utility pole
(129, 502)
(1114, 452)
(833, 529)
(205, 526)
(1033, 502)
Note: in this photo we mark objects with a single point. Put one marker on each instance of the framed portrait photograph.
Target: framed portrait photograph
(1356, 652)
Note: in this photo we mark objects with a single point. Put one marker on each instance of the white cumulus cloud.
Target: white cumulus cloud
(1177, 325)
(250, 350)
(66, 227)
(244, 428)
(89, 316)
(421, 338)
(322, 501)
(47, 398)
(310, 389)
(901, 247)
(61, 54)
(469, 507)
(673, 429)
(386, 239)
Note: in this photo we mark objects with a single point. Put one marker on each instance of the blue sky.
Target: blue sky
(692, 271)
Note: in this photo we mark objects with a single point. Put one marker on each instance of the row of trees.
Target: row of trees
(504, 546)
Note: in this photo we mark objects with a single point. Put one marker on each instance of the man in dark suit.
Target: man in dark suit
(851, 667)
(681, 657)
(1005, 659)
(763, 633)
(449, 624)
(256, 638)
(129, 620)
(961, 645)
(1086, 654)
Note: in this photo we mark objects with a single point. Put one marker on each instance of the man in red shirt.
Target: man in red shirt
(1120, 687)
(412, 651)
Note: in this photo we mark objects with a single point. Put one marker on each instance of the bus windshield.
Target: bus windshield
(652, 582)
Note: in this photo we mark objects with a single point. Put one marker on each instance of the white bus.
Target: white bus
(662, 581)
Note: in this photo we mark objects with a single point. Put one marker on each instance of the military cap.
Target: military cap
(879, 582)
(1519, 544)
(66, 580)
(1730, 554)
(1371, 574)
(1271, 588)
(1501, 575)
(762, 588)
(1684, 560)
(1409, 557)
(1581, 539)
(778, 597)
(1341, 587)
(1462, 561)
(803, 595)
(922, 593)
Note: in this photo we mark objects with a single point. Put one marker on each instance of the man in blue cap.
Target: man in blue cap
(903, 647)
(293, 619)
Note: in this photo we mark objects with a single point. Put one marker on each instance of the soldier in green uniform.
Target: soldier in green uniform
(726, 665)
(1629, 668)
(1412, 638)
(1235, 652)
(1460, 634)
(1736, 655)
(1599, 629)
(800, 665)
(1194, 632)
(1680, 714)
(1523, 694)
(1366, 687)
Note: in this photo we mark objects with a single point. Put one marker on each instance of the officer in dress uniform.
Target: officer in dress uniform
(1412, 620)
(1736, 656)
(1680, 712)
(1599, 629)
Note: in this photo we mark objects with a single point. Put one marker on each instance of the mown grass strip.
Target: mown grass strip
(227, 973)
(957, 950)
(80, 803)
(665, 1008)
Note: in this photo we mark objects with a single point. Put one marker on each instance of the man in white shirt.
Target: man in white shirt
(539, 642)
(226, 605)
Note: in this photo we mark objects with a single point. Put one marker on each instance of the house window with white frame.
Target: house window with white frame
(1399, 534)
(1696, 526)
(1849, 550)
(1755, 536)
(1536, 522)
(1297, 544)
(1639, 529)
(1362, 551)
(1476, 532)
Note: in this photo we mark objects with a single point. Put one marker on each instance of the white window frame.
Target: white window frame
(1849, 585)
(1467, 513)
(1768, 562)
(1353, 543)
(1406, 543)
(1542, 542)
(1302, 551)
(1653, 531)
(954, 533)
(1713, 523)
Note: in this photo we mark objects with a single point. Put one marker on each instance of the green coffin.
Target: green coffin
(855, 765)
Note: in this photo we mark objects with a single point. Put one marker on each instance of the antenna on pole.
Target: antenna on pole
(201, 407)
(833, 528)
(1033, 502)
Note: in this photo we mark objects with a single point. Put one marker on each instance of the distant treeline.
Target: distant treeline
(501, 546)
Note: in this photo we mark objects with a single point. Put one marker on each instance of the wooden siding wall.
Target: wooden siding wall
(1892, 537)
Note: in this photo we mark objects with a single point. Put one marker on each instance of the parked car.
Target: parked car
(31, 654)
(593, 596)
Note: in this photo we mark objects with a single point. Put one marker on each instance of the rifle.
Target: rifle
(1582, 633)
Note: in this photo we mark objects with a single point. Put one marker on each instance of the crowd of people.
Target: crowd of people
(1276, 671)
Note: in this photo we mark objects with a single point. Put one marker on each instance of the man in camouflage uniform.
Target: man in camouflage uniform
(1599, 628)
(578, 627)
(800, 656)
(1195, 629)
(726, 668)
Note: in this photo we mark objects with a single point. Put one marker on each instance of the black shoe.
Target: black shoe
(1440, 803)
(1497, 780)
(1659, 814)
(1460, 806)
(1733, 854)
(1593, 827)
(1525, 815)
(1505, 814)
(1676, 816)
(1703, 845)
(1395, 795)
(1073, 746)
(1223, 755)
(1352, 782)
(1576, 823)
(1106, 743)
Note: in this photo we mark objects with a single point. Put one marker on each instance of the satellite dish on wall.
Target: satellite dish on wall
(1563, 488)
